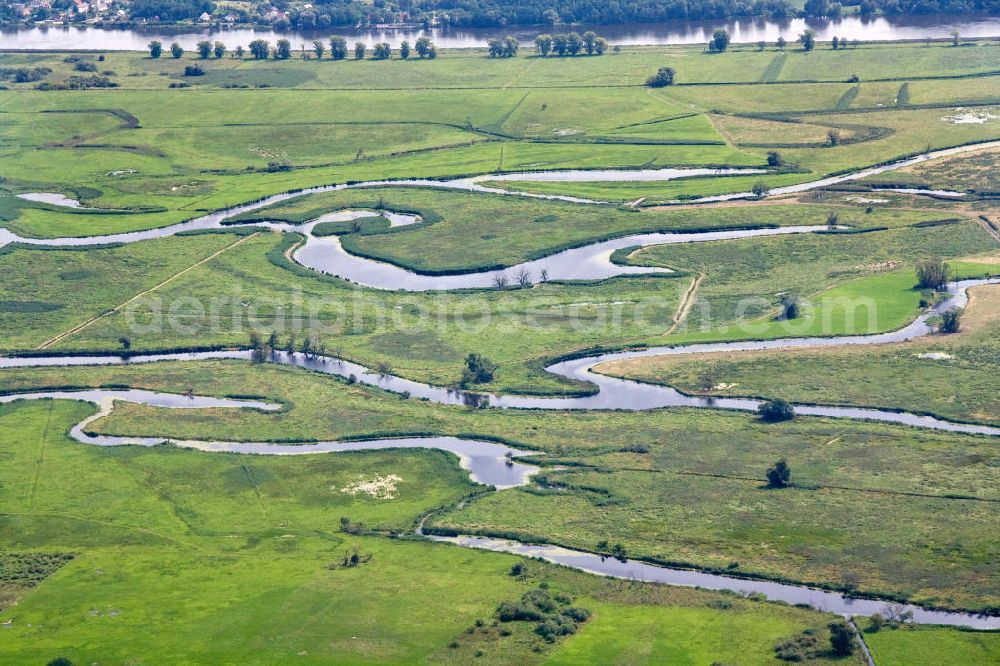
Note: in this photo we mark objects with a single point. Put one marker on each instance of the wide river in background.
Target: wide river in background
(628, 34)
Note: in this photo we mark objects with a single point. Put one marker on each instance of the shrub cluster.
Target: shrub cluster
(798, 648)
(555, 617)
(79, 83)
(776, 410)
(30, 569)
(24, 74)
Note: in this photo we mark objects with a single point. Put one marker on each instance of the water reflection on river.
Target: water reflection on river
(673, 32)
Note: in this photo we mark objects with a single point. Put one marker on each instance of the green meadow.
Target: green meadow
(150, 555)
(631, 476)
(240, 558)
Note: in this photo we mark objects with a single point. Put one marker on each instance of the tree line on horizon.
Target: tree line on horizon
(260, 49)
(501, 13)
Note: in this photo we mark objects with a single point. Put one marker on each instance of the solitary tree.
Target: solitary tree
(155, 49)
(833, 136)
(404, 50)
(780, 475)
(835, 43)
(543, 44)
(932, 274)
(951, 320)
(260, 49)
(478, 370)
(338, 48)
(720, 41)
(954, 37)
(176, 50)
(774, 411)
(204, 49)
(238, 52)
(424, 47)
(808, 40)
(781, 43)
(219, 49)
(283, 50)
(774, 158)
(382, 51)
(600, 46)
(319, 48)
(841, 638)
(589, 39)
(359, 50)
(760, 189)
(790, 306)
(663, 77)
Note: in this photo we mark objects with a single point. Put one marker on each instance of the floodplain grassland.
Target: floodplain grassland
(241, 558)
(427, 336)
(909, 645)
(467, 231)
(211, 146)
(810, 265)
(951, 376)
(675, 485)
(975, 173)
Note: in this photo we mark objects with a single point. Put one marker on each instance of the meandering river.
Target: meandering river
(487, 461)
(611, 393)
(589, 262)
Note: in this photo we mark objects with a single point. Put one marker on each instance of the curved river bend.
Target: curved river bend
(612, 393)
(486, 460)
(487, 463)
(590, 262)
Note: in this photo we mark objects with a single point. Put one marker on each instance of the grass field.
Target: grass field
(974, 173)
(459, 115)
(427, 336)
(151, 555)
(238, 557)
(930, 644)
(637, 476)
(911, 376)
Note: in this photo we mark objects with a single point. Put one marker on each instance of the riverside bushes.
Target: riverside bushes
(554, 615)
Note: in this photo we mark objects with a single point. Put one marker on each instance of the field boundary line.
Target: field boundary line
(107, 523)
(117, 308)
(40, 460)
(814, 487)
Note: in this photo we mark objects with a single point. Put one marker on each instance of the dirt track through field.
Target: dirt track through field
(48, 343)
(686, 302)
